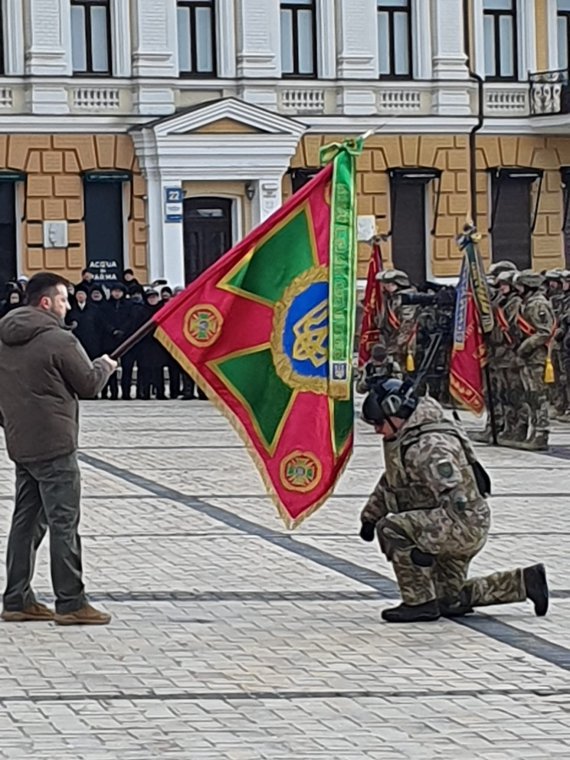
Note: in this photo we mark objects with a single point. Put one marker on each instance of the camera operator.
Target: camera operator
(379, 366)
(430, 514)
(434, 337)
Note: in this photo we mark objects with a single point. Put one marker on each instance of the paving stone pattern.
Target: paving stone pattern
(233, 639)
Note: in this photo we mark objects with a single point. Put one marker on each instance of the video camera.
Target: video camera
(443, 296)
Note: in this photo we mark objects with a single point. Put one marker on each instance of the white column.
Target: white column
(258, 39)
(527, 38)
(552, 33)
(357, 57)
(48, 37)
(451, 97)
(155, 54)
(357, 39)
(226, 39)
(13, 18)
(478, 37)
(326, 38)
(421, 40)
(121, 36)
(165, 239)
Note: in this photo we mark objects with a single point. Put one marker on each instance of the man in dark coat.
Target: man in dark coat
(152, 355)
(116, 317)
(43, 372)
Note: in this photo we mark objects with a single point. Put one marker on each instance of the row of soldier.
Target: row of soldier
(528, 349)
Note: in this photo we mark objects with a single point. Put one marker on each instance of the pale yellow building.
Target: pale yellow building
(155, 133)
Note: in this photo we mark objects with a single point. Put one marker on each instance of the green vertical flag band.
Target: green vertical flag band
(342, 273)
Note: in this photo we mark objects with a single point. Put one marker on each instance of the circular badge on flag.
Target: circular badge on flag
(300, 471)
(300, 335)
(203, 325)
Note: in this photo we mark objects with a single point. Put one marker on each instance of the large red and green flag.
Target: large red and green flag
(267, 332)
(369, 331)
(473, 318)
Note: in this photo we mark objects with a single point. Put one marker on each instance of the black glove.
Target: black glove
(422, 559)
(368, 531)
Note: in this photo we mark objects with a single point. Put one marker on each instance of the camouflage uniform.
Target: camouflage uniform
(558, 300)
(397, 321)
(427, 500)
(536, 325)
(498, 353)
(515, 410)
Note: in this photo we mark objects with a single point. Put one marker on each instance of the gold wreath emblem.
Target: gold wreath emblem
(203, 325)
(300, 471)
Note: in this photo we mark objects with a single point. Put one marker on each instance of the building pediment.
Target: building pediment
(227, 116)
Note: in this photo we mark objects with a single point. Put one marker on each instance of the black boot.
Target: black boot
(407, 613)
(536, 588)
(453, 608)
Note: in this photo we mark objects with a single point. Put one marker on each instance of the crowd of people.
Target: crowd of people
(528, 351)
(103, 316)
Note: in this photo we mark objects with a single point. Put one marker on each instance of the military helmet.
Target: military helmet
(395, 277)
(389, 397)
(506, 278)
(529, 279)
(553, 274)
(501, 266)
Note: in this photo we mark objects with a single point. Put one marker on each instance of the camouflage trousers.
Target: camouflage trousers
(454, 542)
(535, 393)
(558, 391)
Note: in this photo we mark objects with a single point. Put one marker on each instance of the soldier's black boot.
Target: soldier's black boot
(407, 613)
(452, 608)
(536, 588)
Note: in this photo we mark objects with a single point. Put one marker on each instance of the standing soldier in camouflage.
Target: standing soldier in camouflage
(562, 340)
(536, 326)
(557, 297)
(430, 515)
(398, 321)
(497, 350)
(511, 389)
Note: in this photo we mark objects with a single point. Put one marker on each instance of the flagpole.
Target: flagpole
(133, 339)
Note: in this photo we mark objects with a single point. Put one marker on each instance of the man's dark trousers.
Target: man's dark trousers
(47, 495)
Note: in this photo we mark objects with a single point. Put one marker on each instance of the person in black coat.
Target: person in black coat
(152, 357)
(14, 300)
(81, 320)
(116, 316)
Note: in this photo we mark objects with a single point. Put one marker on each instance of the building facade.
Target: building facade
(153, 134)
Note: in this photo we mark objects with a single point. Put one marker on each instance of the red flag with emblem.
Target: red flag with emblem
(468, 354)
(369, 332)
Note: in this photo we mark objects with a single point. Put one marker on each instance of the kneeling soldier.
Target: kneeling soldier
(430, 514)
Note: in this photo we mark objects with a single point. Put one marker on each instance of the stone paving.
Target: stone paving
(232, 639)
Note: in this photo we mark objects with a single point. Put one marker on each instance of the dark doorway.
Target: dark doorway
(409, 228)
(207, 233)
(8, 252)
(511, 219)
(104, 227)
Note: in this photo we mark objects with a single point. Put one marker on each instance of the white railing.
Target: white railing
(399, 101)
(6, 97)
(303, 101)
(96, 98)
(506, 102)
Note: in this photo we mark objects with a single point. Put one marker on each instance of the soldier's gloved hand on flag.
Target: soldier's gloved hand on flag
(368, 531)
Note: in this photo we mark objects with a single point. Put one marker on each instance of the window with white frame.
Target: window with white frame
(563, 30)
(196, 38)
(500, 37)
(91, 37)
(298, 38)
(394, 39)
